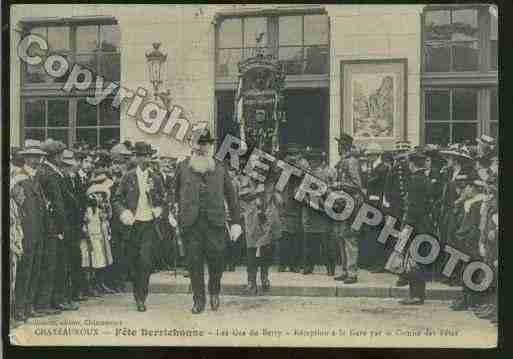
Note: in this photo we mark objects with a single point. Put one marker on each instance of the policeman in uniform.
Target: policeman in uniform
(348, 179)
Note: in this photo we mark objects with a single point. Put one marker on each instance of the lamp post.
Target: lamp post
(156, 59)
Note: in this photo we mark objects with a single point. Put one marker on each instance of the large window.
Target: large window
(47, 112)
(459, 78)
(451, 115)
(300, 41)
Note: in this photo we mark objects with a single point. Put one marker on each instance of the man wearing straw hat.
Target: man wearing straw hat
(33, 224)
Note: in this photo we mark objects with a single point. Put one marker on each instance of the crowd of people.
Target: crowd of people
(80, 228)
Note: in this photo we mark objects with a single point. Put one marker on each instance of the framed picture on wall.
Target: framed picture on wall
(374, 100)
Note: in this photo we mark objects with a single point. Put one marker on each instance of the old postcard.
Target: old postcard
(254, 175)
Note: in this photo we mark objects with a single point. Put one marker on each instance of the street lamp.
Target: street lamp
(156, 59)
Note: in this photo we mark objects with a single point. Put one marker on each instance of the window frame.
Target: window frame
(52, 91)
(272, 41)
(483, 79)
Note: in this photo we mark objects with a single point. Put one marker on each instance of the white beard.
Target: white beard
(202, 164)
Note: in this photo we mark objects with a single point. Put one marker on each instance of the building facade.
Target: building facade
(428, 74)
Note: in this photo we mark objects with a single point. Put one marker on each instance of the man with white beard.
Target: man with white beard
(201, 187)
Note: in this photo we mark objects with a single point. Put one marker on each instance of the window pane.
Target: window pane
(110, 67)
(37, 74)
(437, 133)
(58, 134)
(494, 129)
(34, 134)
(464, 105)
(58, 38)
(465, 56)
(290, 29)
(110, 38)
(227, 62)
(437, 57)
(87, 38)
(462, 132)
(58, 113)
(88, 61)
(464, 25)
(253, 28)
(292, 59)
(316, 30)
(437, 25)
(108, 134)
(86, 114)
(88, 135)
(109, 116)
(230, 33)
(494, 107)
(437, 106)
(316, 60)
(35, 113)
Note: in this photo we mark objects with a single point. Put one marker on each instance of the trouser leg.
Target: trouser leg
(76, 269)
(58, 295)
(144, 239)
(351, 247)
(195, 263)
(284, 249)
(252, 265)
(48, 271)
(329, 251)
(23, 281)
(417, 287)
(214, 256)
(264, 262)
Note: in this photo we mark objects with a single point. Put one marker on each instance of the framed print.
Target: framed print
(373, 100)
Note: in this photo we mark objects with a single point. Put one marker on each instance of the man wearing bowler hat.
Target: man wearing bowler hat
(201, 187)
(139, 203)
(348, 179)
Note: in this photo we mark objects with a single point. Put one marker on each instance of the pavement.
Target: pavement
(318, 284)
(260, 321)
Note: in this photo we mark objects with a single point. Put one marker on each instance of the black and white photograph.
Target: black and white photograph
(252, 175)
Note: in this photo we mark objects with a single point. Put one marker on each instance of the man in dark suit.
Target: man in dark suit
(417, 216)
(33, 224)
(201, 187)
(52, 181)
(139, 202)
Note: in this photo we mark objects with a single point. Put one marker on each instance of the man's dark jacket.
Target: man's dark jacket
(219, 189)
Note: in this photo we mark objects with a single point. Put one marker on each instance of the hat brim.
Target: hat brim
(71, 162)
(455, 154)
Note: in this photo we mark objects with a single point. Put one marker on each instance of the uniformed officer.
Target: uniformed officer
(348, 179)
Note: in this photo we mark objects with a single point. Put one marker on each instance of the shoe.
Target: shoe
(198, 308)
(64, 307)
(80, 298)
(74, 305)
(50, 311)
(295, 269)
(20, 317)
(459, 306)
(401, 282)
(140, 306)
(34, 314)
(308, 270)
(341, 277)
(214, 302)
(350, 280)
(377, 270)
(251, 288)
(412, 301)
(330, 270)
(282, 268)
(107, 289)
(266, 285)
